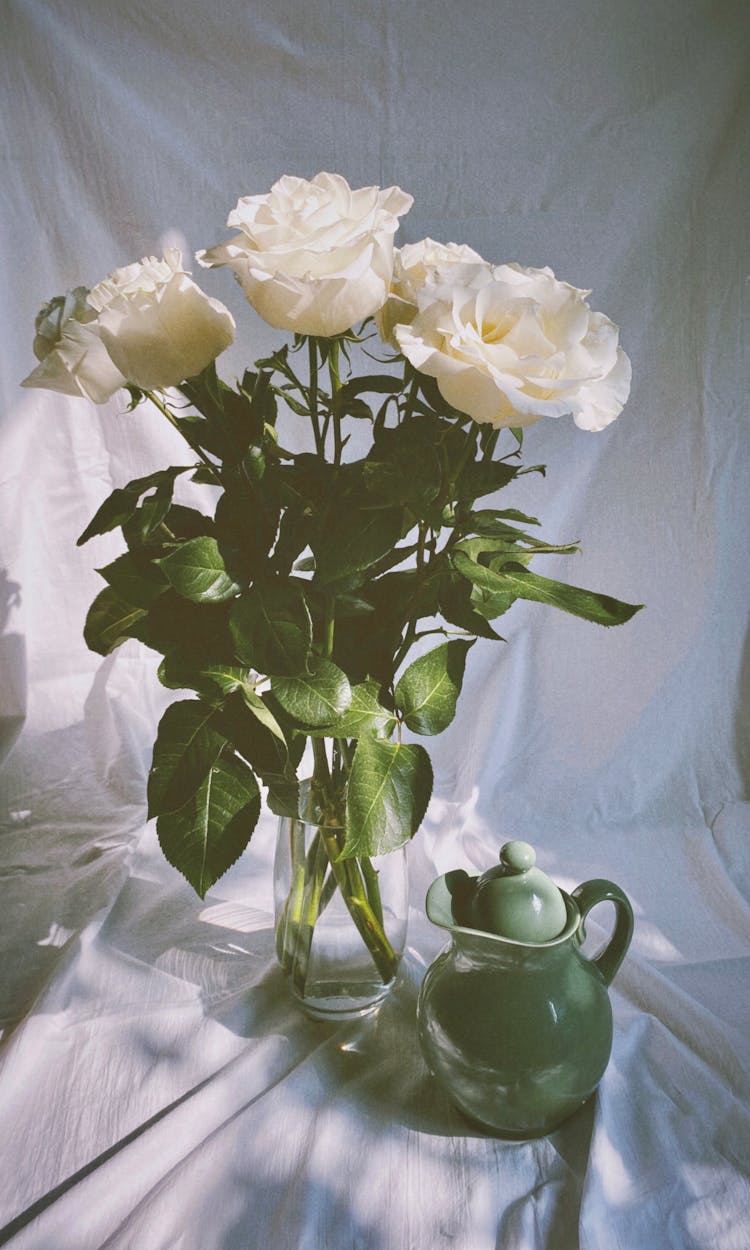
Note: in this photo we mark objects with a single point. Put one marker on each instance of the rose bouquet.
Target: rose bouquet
(290, 613)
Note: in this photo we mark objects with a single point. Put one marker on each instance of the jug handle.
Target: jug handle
(587, 896)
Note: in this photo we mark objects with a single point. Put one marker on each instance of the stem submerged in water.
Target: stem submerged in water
(317, 875)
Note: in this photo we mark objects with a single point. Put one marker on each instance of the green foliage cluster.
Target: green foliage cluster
(290, 613)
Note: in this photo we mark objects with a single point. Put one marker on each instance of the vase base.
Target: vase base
(334, 1002)
(529, 1134)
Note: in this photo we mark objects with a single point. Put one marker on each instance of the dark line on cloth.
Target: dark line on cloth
(41, 1204)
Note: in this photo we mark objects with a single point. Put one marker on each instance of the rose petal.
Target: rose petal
(80, 365)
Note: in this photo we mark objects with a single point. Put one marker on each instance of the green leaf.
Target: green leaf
(315, 698)
(429, 388)
(185, 522)
(389, 561)
(365, 646)
(122, 503)
(354, 408)
(483, 477)
(295, 404)
(258, 389)
(110, 621)
(204, 837)
(491, 603)
(588, 604)
(200, 432)
(187, 744)
(234, 421)
(277, 362)
(389, 788)
(197, 572)
(195, 633)
(347, 606)
(291, 540)
(178, 672)
(491, 515)
(306, 484)
(117, 508)
(255, 733)
(489, 597)
(345, 402)
(247, 519)
(254, 464)
(377, 384)
(140, 529)
(404, 465)
(272, 629)
(513, 545)
(457, 605)
(263, 713)
(204, 476)
(135, 578)
(258, 737)
(352, 539)
(428, 690)
(365, 715)
(282, 795)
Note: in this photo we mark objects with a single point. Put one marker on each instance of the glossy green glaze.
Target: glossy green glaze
(515, 899)
(519, 1033)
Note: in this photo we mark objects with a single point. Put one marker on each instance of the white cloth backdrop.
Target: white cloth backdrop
(157, 1090)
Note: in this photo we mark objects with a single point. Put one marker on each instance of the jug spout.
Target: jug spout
(449, 898)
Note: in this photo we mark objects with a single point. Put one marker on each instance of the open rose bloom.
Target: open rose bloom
(146, 324)
(313, 257)
(514, 345)
(156, 324)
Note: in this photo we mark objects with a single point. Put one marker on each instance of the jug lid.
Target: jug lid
(516, 899)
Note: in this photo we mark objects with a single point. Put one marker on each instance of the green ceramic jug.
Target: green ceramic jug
(514, 1020)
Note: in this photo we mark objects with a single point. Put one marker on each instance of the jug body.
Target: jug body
(519, 1035)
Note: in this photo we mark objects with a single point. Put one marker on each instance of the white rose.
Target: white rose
(73, 359)
(520, 347)
(413, 266)
(157, 325)
(313, 257)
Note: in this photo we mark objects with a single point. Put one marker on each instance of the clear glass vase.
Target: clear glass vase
(340, 924)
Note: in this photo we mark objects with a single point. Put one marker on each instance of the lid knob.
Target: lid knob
(517, 856)
(517, 900)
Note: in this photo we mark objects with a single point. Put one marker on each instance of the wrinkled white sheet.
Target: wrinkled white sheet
(157, 1089)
